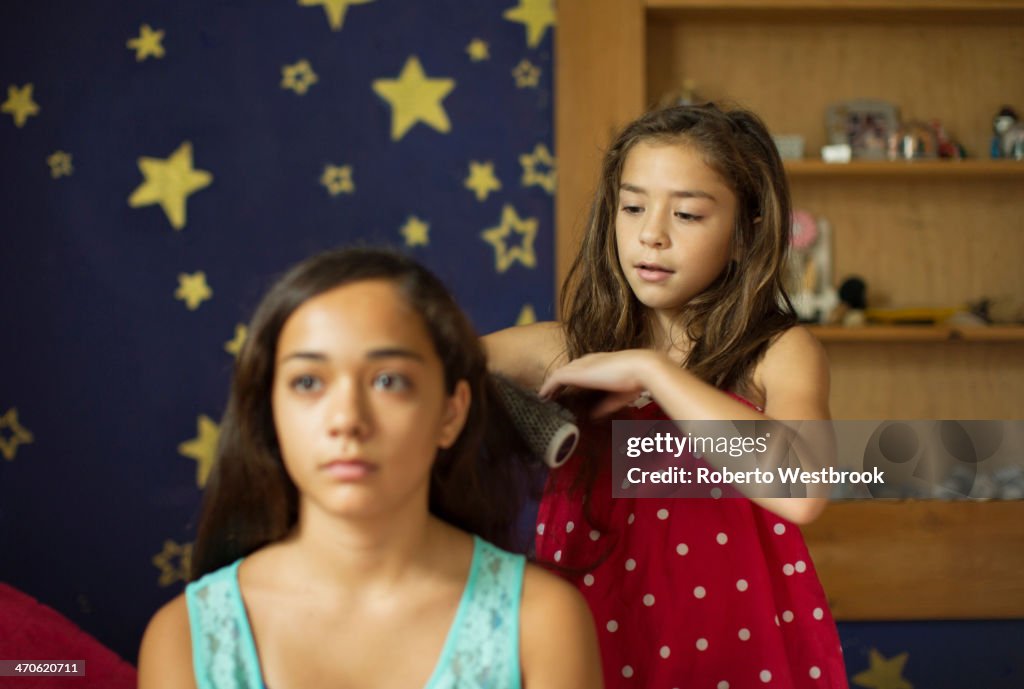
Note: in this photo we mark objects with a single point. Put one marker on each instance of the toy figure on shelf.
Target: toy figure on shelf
(1003, 122)
(810, 257)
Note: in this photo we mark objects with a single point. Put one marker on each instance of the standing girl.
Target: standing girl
(324, 558)
(677, 296)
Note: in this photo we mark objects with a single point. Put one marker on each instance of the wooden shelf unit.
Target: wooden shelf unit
(923, 233)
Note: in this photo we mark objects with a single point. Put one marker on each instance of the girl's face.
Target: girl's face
(359, 402)
(674, 224)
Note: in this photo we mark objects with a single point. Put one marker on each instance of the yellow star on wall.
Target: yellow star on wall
(481, 179)
(147, 44)
(415, 232)
(534, 177)
(169, 182)
(19, 435)
(884, 673)
(192, 289)
(334, 9)
(504, 255)
(526, 74)
(338, 180)
(535, 15)
(298, 77)
(526, 316)
(60, 164)
(202, 448)
(174, 562)
(234, 346)
(19, 104)
(478, 50)
(414, 98)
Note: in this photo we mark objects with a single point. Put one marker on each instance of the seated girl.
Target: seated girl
(341, 538)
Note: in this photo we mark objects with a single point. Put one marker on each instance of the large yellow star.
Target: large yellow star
(535, 15)
(534, 177)
(19, 104)
(169, 182)
(884, 673)
(334, 9)
(171, 571)
(234, 346)
(414, 98)
(147, 44)
(192, 289)
(415, 232)
(19, 434)
(202, 448)
(505, 256)
(481, 179)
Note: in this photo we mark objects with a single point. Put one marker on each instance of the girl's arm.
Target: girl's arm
(558, 643)
(793, 375)
(165, 658)
(525, 353)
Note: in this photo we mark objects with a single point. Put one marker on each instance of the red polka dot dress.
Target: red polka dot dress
(688, 593)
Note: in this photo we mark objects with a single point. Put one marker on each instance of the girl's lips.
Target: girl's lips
(650, 273)
(348, 470)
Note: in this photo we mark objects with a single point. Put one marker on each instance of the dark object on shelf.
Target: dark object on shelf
(1002, 123)
(853, 300)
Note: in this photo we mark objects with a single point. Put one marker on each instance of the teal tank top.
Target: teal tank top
(481, 650)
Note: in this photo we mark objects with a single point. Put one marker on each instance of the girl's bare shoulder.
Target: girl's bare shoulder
(794, 376)
(165, 656)
(526, 353)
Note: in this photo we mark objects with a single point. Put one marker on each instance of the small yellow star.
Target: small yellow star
(202, 448)
(169, 182)
(478, 50)
(414, 98)
(234, 346)
(481, 179)
(526, 74)
(192, 289)
(147, 44)
(884, 673)
(298, 77)
(534, 177)
(338, 180)
(415, 232)
(60, 164)
(19, 104)
(171, 571)
(19, 434)
(505, 256)
(526, 316)
(334, 9)
(535, 15)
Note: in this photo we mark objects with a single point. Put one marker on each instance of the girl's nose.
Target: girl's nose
(654, 233)
(347, 413)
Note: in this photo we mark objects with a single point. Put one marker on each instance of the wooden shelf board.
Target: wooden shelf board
(918, 333)
(906, 169)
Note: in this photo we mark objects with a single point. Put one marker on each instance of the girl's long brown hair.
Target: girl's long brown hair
(731, 324)
(477, 484)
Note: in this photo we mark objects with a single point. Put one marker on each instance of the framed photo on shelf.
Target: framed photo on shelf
(864, 124)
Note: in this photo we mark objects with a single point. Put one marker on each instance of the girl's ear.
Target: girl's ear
(456, 411)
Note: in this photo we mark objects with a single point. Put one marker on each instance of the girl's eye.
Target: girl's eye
(392, 382)
(306, 383)
(688, 217)
(632, 210)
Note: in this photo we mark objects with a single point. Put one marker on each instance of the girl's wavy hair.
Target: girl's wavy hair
(734, 320)
(250, 500)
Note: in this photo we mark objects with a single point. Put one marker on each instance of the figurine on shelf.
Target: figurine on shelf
(948, 147)
(810, 258)
(1003, 122)
(853, 301)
